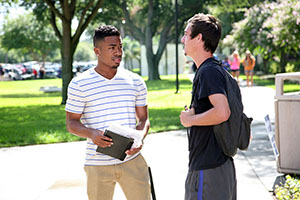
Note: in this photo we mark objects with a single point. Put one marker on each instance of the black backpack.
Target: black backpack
(236, 131)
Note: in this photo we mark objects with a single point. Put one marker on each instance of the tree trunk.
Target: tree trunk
(140, 66)
(152, 65)
(131, 64)
(166, 60)
(153, 73)
(283, 62)
(44, 56)
(67, 52)
(69, 42)
(265, 66)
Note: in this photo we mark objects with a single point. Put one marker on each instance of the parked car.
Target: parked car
(13, 73)
(33, 66)
(28, 72)
(17, 72)
(79, 67)
(52, 70)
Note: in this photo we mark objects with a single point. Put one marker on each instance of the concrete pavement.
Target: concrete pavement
(55, 171)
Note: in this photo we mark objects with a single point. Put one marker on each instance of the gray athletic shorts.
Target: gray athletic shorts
(212, 184)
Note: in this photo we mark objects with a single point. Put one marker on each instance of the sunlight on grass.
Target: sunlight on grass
(288, 86)
(164, 105)
(54, 137)
(25, 93)
(29, 116)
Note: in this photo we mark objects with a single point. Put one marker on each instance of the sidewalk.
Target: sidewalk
(55, 171)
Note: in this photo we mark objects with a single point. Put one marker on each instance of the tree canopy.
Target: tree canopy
(146, 20)
(61, 14)
(84, 52)
(270, 29)
(26, 34)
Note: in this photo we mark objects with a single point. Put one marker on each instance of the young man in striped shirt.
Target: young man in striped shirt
(98, 97)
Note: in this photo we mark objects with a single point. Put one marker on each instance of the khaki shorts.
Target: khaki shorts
(132, 176)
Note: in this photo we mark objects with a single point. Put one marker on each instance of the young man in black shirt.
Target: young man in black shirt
(211, 173)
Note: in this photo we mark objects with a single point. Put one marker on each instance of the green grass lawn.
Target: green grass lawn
(164, 105)
(29, 116)
(289, 86)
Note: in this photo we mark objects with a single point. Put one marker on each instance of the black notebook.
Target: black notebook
(117, 150)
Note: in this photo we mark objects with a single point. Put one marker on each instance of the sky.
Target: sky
(14, 11)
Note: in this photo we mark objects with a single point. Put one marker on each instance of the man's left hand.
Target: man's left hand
(133, 150)
(185, 117)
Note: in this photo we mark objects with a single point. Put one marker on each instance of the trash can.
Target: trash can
(287, 125)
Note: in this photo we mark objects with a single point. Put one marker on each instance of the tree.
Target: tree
(28, 36)
(9, 57)
(84, 52)
(230, 11)
(132, 50)
(146, 20)
(270, 29)
(65, 11)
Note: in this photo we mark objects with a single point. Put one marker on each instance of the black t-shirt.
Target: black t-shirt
(205, 153)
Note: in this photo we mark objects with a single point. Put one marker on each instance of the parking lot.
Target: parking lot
(37, 70)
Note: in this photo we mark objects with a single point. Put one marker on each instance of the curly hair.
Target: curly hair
(104, 31)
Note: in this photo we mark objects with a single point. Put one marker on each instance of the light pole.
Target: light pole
(176, 45)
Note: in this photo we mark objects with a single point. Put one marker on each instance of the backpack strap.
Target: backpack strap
(196, 80)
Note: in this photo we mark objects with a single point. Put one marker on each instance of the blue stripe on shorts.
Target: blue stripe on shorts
(200, 186)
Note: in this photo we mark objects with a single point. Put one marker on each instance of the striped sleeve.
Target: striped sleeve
(76, 101)
(141, 99)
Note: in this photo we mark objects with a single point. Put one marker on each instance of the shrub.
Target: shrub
(290, 190)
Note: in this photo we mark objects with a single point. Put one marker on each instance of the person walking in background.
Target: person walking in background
(42, 72)
(225, 64)
(249, 63)
(234, 62)
(211, 173)
(100, 96)
(34, 71)
(1, 73)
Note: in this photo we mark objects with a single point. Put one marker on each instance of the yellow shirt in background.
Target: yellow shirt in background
(249, 64)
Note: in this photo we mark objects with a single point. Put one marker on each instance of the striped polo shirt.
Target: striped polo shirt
(102, 101)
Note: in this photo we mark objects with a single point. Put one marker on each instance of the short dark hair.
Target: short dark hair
(210, 29)
(104, 31)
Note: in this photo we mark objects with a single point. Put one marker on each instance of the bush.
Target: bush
(290, 190)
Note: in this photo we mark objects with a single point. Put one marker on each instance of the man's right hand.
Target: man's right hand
(99, 139)
(75, 127)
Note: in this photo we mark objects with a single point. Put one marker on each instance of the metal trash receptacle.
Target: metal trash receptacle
(287, 125)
